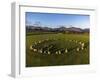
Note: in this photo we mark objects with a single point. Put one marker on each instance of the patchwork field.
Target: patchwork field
(46, 49)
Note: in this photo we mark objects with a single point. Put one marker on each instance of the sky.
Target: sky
(55, 20)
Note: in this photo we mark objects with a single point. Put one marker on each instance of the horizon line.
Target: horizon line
(59, 27)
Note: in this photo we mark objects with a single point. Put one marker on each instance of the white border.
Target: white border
(18, 62)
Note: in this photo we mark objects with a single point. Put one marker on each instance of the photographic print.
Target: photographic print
(54, 39)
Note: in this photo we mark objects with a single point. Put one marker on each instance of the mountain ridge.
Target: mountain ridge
(60, 29)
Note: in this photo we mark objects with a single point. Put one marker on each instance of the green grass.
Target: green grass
(55, 43)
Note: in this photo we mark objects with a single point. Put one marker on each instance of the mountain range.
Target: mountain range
(60, 29)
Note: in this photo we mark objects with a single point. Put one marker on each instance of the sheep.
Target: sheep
(77, 49)
(39, 41)
(35, 43)
(82, 48)
(31, 47)
(40, 51)
(44, 51)
(82, 44)
(56, 52)
(66, 50)
(48, 52)
(59, 52)
(34, 50)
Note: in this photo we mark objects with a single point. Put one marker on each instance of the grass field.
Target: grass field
(56, 49)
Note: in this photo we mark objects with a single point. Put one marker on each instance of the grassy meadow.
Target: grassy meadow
(54, 49)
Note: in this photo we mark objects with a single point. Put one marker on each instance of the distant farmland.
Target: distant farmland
(56, 48)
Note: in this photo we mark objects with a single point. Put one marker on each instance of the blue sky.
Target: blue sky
(54, 19)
